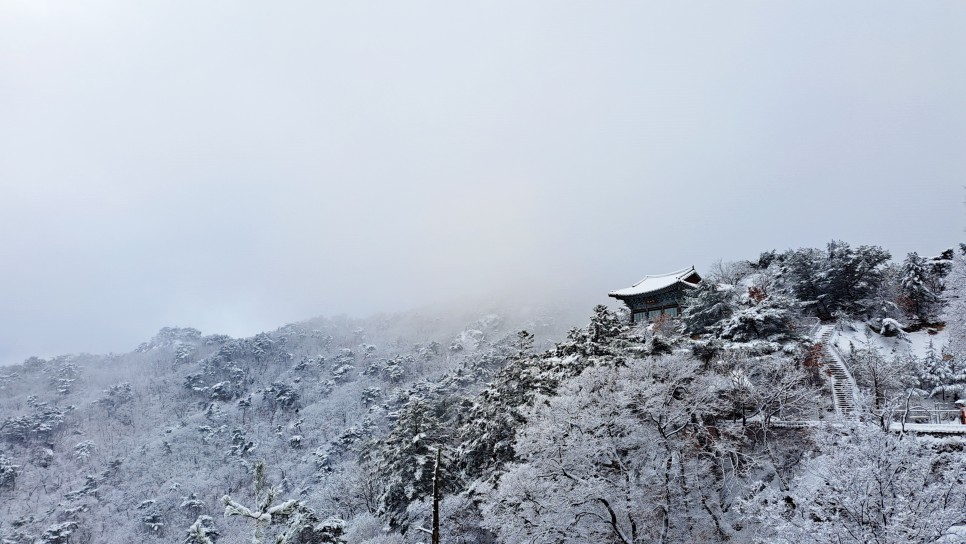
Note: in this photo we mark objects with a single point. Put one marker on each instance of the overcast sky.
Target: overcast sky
(234, 166)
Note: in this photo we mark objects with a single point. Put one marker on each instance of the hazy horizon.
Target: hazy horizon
(234, 167)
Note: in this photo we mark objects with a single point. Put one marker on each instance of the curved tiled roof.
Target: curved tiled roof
(651, 284)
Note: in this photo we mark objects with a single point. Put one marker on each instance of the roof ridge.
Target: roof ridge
(676, 273)
(658, 282)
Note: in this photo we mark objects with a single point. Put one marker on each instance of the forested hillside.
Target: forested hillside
(718, 426)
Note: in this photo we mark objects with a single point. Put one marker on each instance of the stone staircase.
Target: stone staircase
(843, 384)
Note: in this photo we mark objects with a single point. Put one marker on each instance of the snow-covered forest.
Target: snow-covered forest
(724, 425)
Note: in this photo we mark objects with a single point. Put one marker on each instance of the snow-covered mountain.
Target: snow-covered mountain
(719, 426)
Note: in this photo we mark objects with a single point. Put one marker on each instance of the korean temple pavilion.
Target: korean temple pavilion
(657, 295)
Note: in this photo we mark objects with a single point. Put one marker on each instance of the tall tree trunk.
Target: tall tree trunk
(436, 494)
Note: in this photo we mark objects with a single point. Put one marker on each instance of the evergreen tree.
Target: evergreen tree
(8, 474)
(803, 276)
(604, 325)
(406, 458)
(487, 436)
(706, 305)
(935, 373)
(59, 533)
(839, 279)
(855, 274)
(771, 318)
(939, 267)
(917, 299)
(523, 344)
(202, 531)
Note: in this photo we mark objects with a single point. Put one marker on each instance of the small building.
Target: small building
(657, 295)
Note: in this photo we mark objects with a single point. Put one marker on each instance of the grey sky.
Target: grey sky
(234, 166)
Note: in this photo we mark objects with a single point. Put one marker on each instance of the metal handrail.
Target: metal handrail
(933, 415)
(845, 367)
(814, 328)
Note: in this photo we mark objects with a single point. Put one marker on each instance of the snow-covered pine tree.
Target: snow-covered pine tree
(917, 299)
(855, 275)
(935, 373)
(202, 531)
(486, 438)
(405, 459)
(523, 344)
(706, 305)
(939, 267)
(769, 319)
(8, 474)
(59, 533)
(604, 325)
(839, 279)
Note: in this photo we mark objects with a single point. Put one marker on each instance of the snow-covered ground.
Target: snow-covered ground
(857, 335)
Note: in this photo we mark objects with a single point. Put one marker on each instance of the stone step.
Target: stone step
(842, 389)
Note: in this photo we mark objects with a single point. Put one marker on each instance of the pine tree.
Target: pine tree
(604, 325)
(839, 279)
(935, 373)
(8, 474)
(59, 534)
(523, 344)
(706, 305)
(486, 439)
(202, 531)
(855, 275)
(770, 318)
(405, 458)
(917, 299)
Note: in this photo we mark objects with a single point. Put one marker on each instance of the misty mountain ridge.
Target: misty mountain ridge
(710, 427)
